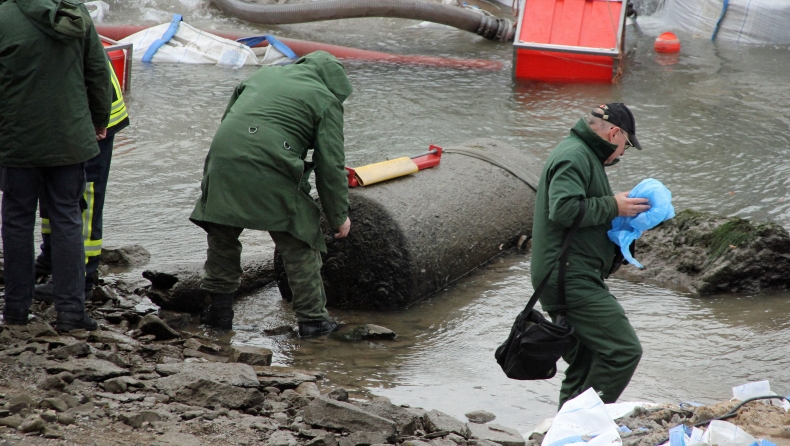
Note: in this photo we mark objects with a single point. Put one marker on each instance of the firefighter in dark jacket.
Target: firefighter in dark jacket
(55, 103)
(605, 351)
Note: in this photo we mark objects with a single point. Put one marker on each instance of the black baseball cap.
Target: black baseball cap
(618, 114)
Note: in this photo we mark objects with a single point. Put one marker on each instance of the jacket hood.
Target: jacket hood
(58, 19)
(331, 72)
(601, 148)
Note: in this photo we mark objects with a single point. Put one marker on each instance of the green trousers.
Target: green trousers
(302, 265)
(605, 351)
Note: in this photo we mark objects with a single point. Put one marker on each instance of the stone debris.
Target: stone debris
(139, 380)
(480, 416)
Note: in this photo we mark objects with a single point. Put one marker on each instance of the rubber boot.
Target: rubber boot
(72, 320)
(43, 292)
(15, 317)
(312, 329)
(220, 313)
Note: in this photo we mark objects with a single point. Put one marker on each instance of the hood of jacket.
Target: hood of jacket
(331, 72)
(601, 148)
(59, 19)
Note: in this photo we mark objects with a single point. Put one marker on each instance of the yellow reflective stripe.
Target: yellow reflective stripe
(45, 227)
(87, 214)
(118, 112)
(92, 248)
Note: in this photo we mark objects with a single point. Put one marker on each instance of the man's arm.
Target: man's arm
(329, 157)
(567, 185)
(98, 87)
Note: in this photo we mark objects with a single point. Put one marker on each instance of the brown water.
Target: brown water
(715, 131)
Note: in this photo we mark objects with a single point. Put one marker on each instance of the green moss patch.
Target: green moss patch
(737, 232)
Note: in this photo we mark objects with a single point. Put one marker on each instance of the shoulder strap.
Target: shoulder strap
(562, 260)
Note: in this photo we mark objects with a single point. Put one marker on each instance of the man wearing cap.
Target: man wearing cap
(605, 351)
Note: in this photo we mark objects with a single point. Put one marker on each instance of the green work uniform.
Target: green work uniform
(50, 105)
(606, 350)
(256, 173)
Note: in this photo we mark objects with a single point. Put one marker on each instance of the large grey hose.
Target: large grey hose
(489, 27)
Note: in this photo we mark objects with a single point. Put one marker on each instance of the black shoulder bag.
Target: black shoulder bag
(535, 343)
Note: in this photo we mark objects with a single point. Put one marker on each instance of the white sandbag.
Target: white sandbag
(190, 45)
(745, 21)
(583, 420)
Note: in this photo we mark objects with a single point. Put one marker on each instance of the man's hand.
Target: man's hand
(630, 207)
(343, 229)
(101, 133)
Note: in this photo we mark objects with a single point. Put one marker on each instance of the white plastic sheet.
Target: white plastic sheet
(745, 21)
(191, 46)
(583, 420)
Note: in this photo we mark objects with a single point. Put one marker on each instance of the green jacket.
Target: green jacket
(573, 171)
(54, 84)
(256, 173)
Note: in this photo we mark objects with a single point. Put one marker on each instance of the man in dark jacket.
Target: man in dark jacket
(606, 350)
(256, 177)
(55, 102)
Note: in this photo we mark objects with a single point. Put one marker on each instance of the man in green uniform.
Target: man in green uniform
(55, 102)
(256, 177)
(606, 350)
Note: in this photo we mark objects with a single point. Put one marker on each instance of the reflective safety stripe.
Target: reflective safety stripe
(45, 227)
(118, 112)
(87, 214)
(92, 248)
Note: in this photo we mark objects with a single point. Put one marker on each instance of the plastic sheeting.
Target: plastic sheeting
(743, 21)
(191, 46)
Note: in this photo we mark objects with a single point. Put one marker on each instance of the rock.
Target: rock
(250, 355)
(308, 389)
(55, 403)
(175, 319)
(241, 375)
(281, 438)
(115, 385)
(296, 400)
(370, 331)
(282, 377)
(14, 421)
(151, 324)
(279, 331)
(74, 350)
(363, 439)
(339, 394)
(49, 416)
(335, 414)
(480, 416)
(51, 383)
(67, 418)
(33, 423)
(708, 253)
(502, 435)
(323, 440)
(436, 421)
(202, 345)
(51, 432)
(212, 394)
(132, 255)
(136, 419)
(408, 421)
(111, 337)
(190, 353)
(88, 369)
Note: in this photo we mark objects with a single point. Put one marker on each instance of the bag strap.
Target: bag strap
(563, 259)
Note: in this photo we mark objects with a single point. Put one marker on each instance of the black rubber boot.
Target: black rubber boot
(43, 292)
(68, 321)
(16, 317)
(312, 329)
(220, 313)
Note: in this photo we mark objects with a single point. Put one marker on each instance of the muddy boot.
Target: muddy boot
(15, 317)
(220, 313)
(312, 329)
(68, 320)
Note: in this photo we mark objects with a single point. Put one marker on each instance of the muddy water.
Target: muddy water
(714, 125)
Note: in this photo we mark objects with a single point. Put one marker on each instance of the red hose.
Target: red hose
(302, 47)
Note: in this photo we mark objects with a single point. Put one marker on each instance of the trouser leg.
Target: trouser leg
(20, 188)
(607, 351)
(222, 270)
(97, 174)
(63, 188)
(303, 266)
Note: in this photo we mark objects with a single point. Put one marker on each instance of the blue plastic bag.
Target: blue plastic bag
(627, 229)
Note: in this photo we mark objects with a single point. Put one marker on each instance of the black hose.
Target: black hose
(491, 28)
(732, 412)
